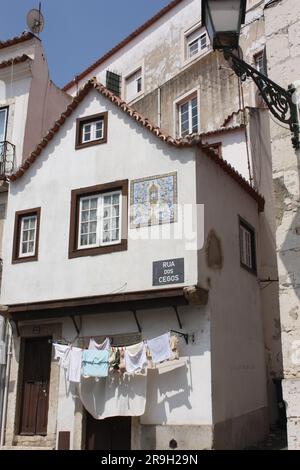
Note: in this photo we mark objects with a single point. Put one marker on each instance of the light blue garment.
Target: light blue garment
(95, 363)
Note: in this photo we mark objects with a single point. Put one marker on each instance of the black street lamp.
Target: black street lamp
(223, 20)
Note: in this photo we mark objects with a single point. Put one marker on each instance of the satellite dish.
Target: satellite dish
(35, 21)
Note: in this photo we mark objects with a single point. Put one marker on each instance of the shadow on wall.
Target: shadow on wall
(168, 391)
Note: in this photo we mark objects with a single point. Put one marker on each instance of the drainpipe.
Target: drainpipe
(8, 341)
(159, 106)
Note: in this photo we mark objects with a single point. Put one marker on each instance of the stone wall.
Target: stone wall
(282, 19)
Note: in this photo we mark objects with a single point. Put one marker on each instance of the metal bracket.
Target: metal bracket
(136, 320)
(184, 335)
(177, 316)
(279, 101)
(75, 324)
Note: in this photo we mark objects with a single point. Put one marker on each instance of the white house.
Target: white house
(159, 200)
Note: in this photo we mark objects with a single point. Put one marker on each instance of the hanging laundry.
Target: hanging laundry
(135, 358)
(95, 363)
(114, 396)
(62, 352)
(174, 347)
(102, 346)
(74, 366)
(122, 366)
(160, 348)
(114, 359)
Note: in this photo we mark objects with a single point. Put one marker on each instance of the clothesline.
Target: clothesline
(64, 341)
(98, 358)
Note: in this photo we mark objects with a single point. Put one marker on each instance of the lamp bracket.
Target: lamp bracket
(279, 101)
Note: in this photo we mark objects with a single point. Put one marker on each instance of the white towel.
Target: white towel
(115, 395)
(135, 358)
(74, 368)
(103, 346)
(160, 348)
(62, 353)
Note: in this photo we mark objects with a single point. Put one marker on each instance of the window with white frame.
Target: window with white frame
(133, 85)
(196, 43)
(28, 235)
(100, 220)
(247, 246)
(188, 116)
(91, 130)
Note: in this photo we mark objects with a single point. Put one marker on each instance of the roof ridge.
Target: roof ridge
(123, 43)
(192, 140)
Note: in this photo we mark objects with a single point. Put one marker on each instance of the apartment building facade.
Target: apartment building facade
(180, 84)
(168, 73)
(76, 288)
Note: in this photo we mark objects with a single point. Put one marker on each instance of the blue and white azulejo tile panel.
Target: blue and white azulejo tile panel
(153, 200)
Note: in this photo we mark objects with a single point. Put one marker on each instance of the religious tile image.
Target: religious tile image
(153, 200)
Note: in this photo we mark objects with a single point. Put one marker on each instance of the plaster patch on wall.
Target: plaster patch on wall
(213, 251)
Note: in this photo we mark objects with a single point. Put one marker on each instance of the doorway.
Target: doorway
(108, 434)
(35, 386)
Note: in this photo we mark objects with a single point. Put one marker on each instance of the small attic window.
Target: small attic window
(91, 130)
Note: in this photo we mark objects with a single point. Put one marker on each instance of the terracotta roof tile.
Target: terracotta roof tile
(193, 140)
(26, 36)
(237, 114)
(222, 129)
(123, 43)
(14, 61)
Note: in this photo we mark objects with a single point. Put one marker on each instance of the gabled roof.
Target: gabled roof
(14, 61)
(26, 36)
(123, 43)
(193, 140)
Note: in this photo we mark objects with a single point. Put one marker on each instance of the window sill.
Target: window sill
(26, 259)
(100, 250)
(250, 270)
(195, 58)
(90, 144)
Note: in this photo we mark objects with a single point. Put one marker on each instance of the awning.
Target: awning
(121, 302)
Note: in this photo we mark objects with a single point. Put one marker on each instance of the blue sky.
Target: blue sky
(77, 32)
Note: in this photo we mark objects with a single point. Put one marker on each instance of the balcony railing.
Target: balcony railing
(7, 159)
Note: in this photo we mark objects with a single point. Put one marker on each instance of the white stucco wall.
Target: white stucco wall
(234, 149)
(15, 94)
(34, 102)
(48, 184)
(237, 344)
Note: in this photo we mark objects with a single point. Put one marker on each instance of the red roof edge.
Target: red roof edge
(123, 43)
(14, 61)
(26, 36)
